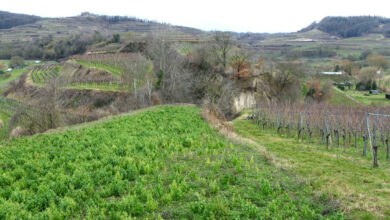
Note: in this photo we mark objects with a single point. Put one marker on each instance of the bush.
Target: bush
(341, 87)
(366, 86)
(116, 38)
(319, 92)
(2, 67)
(16, 62)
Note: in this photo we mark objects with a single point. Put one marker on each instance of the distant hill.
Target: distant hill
(41, 38)
(9, 20)
(35, 28)
(355, 26)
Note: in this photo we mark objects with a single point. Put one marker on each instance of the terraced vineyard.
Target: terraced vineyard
(41, 74)
(113, 63)
(124, 70)
(161, 163)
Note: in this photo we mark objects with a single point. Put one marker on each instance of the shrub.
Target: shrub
(319, 92)
(16, 62)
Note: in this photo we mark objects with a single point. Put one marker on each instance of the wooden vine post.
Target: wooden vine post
(299, 125)
(365, 134)
(373, 144)
(375, 156)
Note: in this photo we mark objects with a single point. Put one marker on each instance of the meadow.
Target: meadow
(368, 99)
(164, 162)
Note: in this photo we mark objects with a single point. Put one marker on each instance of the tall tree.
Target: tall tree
(347, 66)
(2, 67)
(16, 61)
(137, 73)
(223, 42)
(377, 61)
(240, 66)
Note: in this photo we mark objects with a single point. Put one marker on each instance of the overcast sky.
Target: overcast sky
(239, 15)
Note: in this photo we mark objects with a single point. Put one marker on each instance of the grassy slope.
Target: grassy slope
(339, 98)
(164, 162)
(350, 178)
(14, 74)
(96, 86)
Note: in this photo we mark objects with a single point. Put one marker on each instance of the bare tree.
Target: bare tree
(172, 79)
(42, 115)
(137, 74)
(283, 83)
(223, 42)
(377, 61)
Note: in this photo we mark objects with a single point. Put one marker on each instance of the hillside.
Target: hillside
(87, 25)
(317, 45)
(9, 20)
(355, 26)
(164, 162)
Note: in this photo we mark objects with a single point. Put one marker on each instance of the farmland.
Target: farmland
(162, 162)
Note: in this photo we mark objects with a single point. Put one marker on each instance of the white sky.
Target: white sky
(238, 15)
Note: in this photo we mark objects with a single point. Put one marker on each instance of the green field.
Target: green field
(363, 191)
(364, 98)
(164, 162)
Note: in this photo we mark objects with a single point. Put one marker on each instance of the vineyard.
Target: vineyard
(364, 128)
(43, 73)
(164, 162)
(127, 71)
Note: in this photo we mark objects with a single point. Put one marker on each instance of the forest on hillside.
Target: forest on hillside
(354, 26)
(9, 20)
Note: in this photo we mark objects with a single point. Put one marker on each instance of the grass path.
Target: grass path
(363, 192)
(348, 96)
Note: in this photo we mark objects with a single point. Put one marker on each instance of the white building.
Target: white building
(332, 73)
